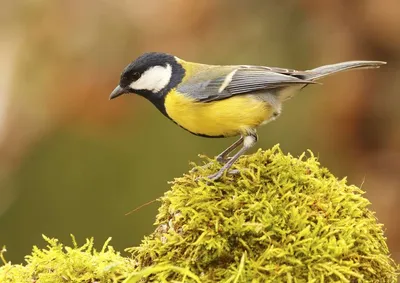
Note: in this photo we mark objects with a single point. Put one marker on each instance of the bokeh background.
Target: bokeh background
(71, 161)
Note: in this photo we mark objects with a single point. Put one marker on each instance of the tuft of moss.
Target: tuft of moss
(283, 219)
(61, 264)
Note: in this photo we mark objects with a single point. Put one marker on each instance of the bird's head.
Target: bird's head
(152, 74)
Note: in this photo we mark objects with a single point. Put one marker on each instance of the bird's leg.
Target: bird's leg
(223, 156)
(248, 142)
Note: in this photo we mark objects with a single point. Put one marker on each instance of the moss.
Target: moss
(283, 219)
(57, 263)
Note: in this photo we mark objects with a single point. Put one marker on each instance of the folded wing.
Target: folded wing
(214, 85)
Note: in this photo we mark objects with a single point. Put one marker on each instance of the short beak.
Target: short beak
(117, 92)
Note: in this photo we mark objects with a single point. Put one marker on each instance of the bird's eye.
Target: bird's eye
(135, 76)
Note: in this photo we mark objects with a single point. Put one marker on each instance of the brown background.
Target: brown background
(73, 162)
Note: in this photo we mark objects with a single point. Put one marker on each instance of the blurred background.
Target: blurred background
(71, 161)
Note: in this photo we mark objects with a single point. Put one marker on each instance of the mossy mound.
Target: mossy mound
(60, 264)
(283, 219)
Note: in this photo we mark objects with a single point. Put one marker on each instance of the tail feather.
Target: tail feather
(327, 70)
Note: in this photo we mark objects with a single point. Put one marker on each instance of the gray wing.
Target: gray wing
(214, 84)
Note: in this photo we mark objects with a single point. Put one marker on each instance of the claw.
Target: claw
(220, 159)
(223, 160)
(234, 172)
(216, 176)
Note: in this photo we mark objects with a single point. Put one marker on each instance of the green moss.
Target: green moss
(283, 219)
(57, 263)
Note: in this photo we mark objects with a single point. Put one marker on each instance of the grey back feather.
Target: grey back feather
(239, 80)
(221, 82)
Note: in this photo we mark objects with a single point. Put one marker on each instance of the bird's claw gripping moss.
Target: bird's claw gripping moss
(220, 160)
(215, 176)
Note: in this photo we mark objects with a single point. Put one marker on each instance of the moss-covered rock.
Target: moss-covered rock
(61, 264)
(283, 219)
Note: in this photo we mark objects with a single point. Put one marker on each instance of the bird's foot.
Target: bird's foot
(234, 172)
(216, 176)
(221, 159)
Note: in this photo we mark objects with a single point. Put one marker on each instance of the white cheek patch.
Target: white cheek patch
(154, 79)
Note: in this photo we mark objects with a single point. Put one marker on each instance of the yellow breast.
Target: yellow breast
(229, 117)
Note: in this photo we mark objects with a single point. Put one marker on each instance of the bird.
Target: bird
(220, 101)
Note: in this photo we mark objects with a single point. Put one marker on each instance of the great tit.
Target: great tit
(220, 101)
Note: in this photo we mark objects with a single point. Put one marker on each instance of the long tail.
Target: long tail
(327, 70)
